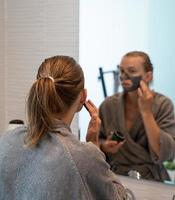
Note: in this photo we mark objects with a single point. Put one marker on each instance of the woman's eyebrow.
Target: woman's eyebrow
(131, 67)
(128, 67)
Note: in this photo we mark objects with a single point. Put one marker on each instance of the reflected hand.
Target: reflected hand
(94, 124)
(145, 99)
(111, 146)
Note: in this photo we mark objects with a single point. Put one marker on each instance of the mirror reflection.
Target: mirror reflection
(138, 125)
(127, 27)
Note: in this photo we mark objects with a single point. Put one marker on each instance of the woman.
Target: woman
(144, 117)
(45, 160)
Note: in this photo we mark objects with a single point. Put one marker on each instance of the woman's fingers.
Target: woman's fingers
(139, 92)
(92, 109)
(94, 124)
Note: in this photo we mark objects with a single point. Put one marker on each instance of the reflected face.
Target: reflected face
(131, 71)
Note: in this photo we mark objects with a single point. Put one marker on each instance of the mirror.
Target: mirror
(109, 29)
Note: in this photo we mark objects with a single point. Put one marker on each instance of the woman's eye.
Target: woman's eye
(132, 71)
(121, 71)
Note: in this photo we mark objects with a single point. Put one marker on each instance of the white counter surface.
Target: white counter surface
(148, 190)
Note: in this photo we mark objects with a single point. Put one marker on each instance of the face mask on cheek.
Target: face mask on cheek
(135, 83)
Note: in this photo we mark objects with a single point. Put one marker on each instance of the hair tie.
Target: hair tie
(50, 77)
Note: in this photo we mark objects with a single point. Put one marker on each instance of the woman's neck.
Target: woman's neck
(132, 98)
(68, 115)
(68, 119)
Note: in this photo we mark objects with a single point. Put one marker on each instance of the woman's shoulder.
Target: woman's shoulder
(13, 135)
(85, 151)
(92, 150)
(161, 99)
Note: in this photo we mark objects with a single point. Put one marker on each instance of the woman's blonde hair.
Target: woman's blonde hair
(146, 59)
(59, 82)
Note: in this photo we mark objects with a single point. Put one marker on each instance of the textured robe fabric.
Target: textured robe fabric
(59, 168)
(136, 154)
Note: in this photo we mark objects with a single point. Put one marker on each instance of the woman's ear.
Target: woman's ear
(148, 77)
(83, 96)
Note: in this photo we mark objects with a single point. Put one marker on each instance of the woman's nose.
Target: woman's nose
(124, 76)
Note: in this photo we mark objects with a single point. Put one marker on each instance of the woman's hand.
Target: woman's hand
(110, 146)
(94, 124)
(145, 99)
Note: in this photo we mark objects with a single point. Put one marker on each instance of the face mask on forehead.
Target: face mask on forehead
(135, 82)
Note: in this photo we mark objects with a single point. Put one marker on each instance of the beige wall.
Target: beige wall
(34, 30)
(2, 49)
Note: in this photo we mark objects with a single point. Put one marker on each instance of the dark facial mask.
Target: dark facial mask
(135, 82)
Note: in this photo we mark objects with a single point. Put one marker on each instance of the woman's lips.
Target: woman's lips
(126, 84)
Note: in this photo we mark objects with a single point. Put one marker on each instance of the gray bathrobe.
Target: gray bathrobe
(136, 154)
(59, 168)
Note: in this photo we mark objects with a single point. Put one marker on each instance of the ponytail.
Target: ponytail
(59, 81)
